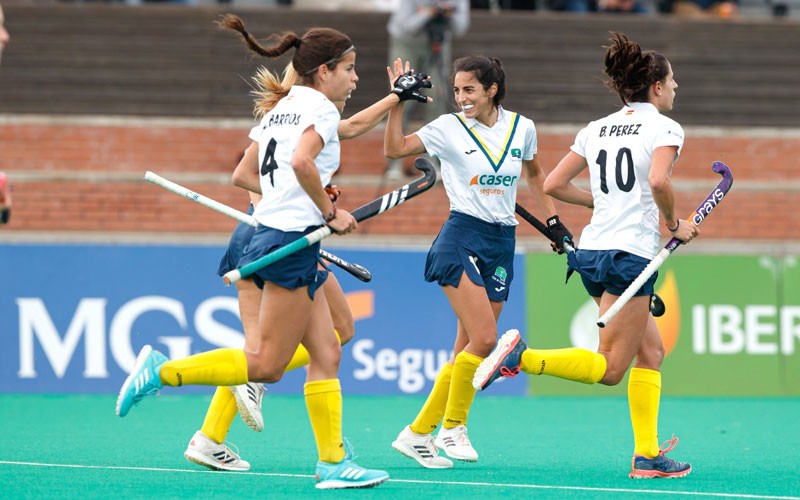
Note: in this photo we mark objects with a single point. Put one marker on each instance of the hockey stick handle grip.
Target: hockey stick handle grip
(306, 241)
(540, 226)
(356, 270)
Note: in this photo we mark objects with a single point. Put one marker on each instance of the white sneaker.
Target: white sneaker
(455, 443)
(248, 400)
(420, 447)
(203, 451)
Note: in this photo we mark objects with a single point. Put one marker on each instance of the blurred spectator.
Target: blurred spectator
(609, 6)
(703, 8)
(422, 31)
(505, 4)
(621, 6)
(4, 36)
(579, 6)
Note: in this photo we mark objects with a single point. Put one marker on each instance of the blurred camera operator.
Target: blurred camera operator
(422, 31)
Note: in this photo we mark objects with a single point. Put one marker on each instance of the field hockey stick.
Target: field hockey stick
(698, 216)
(657, 306)
(371, 209)
(540, 226)
(356, 270)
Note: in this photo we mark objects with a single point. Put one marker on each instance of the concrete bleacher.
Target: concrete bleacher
(169, 60)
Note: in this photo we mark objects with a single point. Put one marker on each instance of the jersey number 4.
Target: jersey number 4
(269, 165)
(625, 156)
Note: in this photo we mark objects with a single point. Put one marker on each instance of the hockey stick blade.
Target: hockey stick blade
(364, 212)
(699, 215)
(359, 272)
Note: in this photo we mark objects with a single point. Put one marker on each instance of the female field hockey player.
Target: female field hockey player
(630, 155)
(207, 446)
(483, 150)
(296, 154)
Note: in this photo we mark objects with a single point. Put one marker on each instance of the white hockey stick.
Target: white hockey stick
(356, 270)
(705, 208)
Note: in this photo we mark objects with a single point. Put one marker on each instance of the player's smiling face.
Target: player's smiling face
(471, 97)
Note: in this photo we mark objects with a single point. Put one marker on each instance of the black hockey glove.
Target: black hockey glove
(407, 86)
(560, 233)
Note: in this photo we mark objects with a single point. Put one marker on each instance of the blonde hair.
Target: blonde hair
(268, 89)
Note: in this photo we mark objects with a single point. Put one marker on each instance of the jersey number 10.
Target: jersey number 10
(623, 155)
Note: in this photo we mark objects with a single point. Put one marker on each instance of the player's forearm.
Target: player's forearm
(366, 119)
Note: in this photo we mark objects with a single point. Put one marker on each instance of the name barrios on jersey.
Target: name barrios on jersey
(620, 130)
(283, 119)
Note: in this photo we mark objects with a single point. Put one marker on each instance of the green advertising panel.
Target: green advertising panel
(789, 303)
(732, 325)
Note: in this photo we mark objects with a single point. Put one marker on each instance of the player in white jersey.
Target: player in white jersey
(629, 155)
(483, 150)
(305, 123)
(207, 446)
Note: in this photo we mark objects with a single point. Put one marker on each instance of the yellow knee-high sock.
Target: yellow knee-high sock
(572, 363)
(644, 393)
(220, 415)
(432, 411)
(223, 410)
(461, 391)
(301, 358)
(324, 404)
(218, 367)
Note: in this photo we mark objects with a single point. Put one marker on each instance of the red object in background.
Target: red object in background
(5, 199)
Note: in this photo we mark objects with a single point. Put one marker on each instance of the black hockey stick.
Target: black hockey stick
(539, 225)
(657, 306)
(356, 270)
(371, 209)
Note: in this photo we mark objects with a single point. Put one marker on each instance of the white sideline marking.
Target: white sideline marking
(417, 481)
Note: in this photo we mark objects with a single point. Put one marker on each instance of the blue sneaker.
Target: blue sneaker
(660, 466)
(143, 380)
(504, 361)
(347, 474)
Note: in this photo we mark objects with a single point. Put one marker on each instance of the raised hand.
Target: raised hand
(408, 85)
(398, 70)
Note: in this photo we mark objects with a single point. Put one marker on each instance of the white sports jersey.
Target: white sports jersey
(619, 150)
(285, 205)
(481, 166)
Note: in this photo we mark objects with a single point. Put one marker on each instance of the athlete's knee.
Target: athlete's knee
(346, 331)
(483, 345)
(264, 374)
(614, 374)
(651, 357)
(328, 358)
